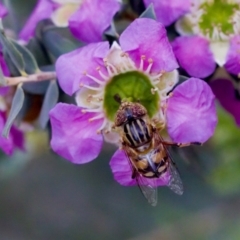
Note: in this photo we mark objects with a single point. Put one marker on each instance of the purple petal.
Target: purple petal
(147, 37)
(225, 93)
(71, 67)
(4, 66)
(4, 91)
(15, 138)
(43, 10)
(73, 136)
(168, 11)
(122, 171)
(233, 57)
(18, 138)
(3, 11)
(191, 113)
(92, 18)
(194, 56)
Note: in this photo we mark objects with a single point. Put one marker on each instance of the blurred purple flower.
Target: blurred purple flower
(168, 11)
(95, 67)
(16, 137)
(79, 15)
(228, 97)
(3, 10)
(206, 38)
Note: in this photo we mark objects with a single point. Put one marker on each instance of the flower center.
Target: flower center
(216, 19)
(133, 86)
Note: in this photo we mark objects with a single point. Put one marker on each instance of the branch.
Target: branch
(37, 77)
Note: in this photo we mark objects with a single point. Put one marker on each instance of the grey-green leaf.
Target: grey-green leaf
(17, 104)
(2, 79)
(15, 56)
(30, 63)
(149, 13)
(57, 44)
(111, 31)
(50, 100)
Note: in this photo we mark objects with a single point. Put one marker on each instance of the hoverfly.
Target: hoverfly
(146, 150)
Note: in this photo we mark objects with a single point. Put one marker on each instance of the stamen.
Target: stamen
(94, 78)
(107, 67)
(90, 87)
(150, 61)
(143, 57)
(101, 74)
(91, 110)
(154, 90)
(113, 68)
(99, 116)
(215, 34)
(157, 77)
(102, 126)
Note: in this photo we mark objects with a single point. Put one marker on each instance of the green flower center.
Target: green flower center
(218, 15)
(133, 86)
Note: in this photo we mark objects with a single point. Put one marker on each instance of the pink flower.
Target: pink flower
(228, 96)
(79, 15)
(15, 139)
(205, 40)
(141, 68)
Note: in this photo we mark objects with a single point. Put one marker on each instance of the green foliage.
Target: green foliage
(225, 175)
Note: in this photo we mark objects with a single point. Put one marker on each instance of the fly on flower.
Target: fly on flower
(145, 149)
(134, 69)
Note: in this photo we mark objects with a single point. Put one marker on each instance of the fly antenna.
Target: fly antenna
(117, 98)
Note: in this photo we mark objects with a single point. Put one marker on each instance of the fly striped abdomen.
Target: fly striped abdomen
(137, 132)
(152, 164)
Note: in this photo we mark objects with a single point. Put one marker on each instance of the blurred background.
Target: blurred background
(42, 196)
(45, 197)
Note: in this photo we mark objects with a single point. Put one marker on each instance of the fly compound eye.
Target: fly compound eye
(120, 118)
(138, 110)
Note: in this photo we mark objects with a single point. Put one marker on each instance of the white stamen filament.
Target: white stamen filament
(92, 110)
(99, 116)
(90, 87)
(102, 126)
(142, 62)
(95, 79)
(102, 75)
(150, 61)
(112, 68)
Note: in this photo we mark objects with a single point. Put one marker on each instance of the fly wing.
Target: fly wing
(175, 183)
(147, 186)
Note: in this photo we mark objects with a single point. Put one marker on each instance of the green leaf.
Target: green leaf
(50, 100)
(149, 13)
(17, 104)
